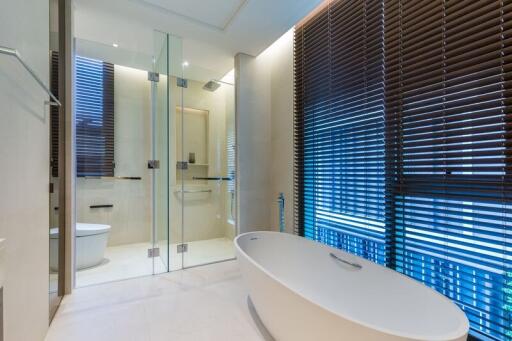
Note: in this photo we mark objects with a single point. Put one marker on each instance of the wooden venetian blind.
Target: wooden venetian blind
(403, 143)
(54, 115)
(339, 128)
(448, 115)
(94, 117)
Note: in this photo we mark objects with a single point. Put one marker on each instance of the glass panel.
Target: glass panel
(115, 225)
(175, 174)
(54, 239)
(206, 144)
(160, 105)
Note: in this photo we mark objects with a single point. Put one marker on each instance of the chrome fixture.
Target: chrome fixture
(102, 206)
(89, 177)
(355, 265)
(153, 164)
(153, 252)
(181, 82)
(14, 53)
(280, 201)
(211, 86)
(181, 248)
(219, 178)
(153, 76)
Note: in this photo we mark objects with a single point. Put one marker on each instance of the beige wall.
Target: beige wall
(265, 135)
(253, 142)
(24, 151)
(130, 218)
(280, 57)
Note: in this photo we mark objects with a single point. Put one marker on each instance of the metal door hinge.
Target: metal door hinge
(153, 76)
(181, 165)
(181, 82)
(154, 252)
(180, 248)
(153, 164)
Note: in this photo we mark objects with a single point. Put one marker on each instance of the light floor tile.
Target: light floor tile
(131, 260)
(204, 303)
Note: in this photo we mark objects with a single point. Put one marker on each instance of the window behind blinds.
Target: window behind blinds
(448, 111)
(340, 127)
(231, 160)
(54, 115)
(403, 143)
(94, 117)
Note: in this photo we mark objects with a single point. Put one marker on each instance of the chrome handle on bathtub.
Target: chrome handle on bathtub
(355, 265)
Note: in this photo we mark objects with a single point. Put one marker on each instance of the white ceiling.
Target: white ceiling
(214, 13)
(213, 31)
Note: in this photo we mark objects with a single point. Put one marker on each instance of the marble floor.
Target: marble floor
(207, 303)
(131, 260)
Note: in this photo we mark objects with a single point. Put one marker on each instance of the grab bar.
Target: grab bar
(14, 53)
(355, 265)
(211, 178)
(102, 206)
(88, 177)
(194, 191)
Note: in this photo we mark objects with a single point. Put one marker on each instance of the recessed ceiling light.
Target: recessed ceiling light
(185, 63)
(115, 45)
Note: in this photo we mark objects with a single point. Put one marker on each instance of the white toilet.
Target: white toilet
(91, 242)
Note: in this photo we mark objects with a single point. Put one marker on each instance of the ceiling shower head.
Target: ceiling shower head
(211, 86)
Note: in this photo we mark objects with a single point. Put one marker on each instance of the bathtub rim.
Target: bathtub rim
(462, 330)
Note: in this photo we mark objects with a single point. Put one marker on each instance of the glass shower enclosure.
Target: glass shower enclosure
(122, 152)
(205, 171)
(202, 163)
(155, 182)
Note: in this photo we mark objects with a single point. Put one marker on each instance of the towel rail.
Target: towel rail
(219, 178)
(194, 191)
(14, 53)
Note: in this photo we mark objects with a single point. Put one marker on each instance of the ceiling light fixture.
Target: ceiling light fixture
(185, 63)
(115, 44)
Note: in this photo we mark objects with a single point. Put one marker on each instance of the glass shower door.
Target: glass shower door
(127, 198)
(160, 153)
(176, 194)
(201, 164)
(206, 149)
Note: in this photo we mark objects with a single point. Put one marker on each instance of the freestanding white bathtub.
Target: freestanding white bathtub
(304, 291)
(91, 243)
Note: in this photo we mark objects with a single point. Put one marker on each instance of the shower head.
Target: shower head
(211, 86)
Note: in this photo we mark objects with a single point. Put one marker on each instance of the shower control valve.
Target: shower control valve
(153, 164)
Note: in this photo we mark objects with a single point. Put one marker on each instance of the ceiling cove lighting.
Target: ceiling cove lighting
(229, 77)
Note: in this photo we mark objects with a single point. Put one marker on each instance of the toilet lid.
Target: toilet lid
(83, 229)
